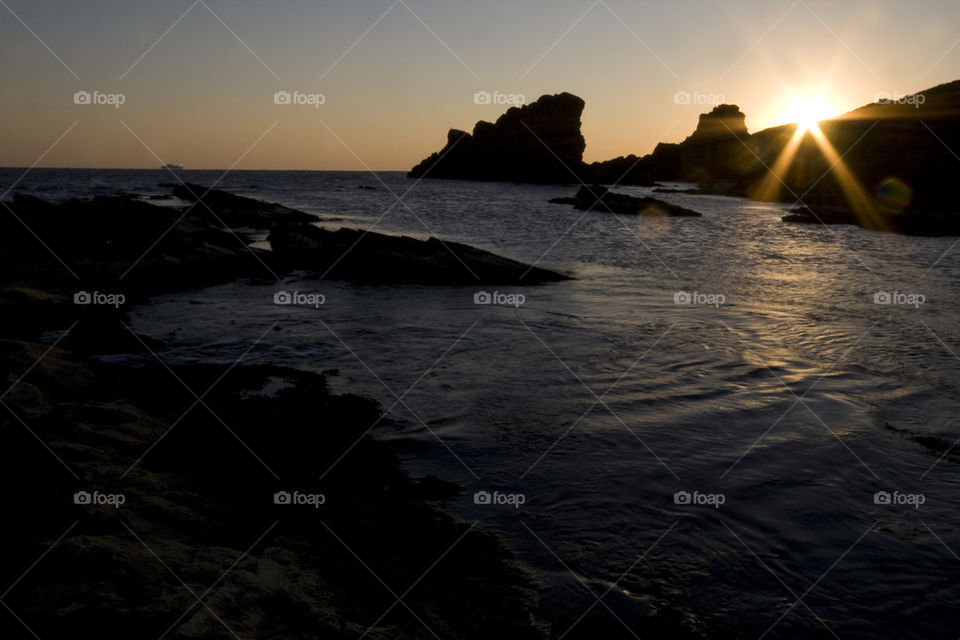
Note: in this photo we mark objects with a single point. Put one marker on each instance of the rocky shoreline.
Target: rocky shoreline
(201, 501)
(204, 501)
(200, 506)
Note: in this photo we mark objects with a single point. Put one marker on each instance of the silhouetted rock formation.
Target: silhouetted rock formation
(539, 142)
(896, 171)
(628, 170)
(899, 158)
(904, 156)
(725, 121)
(714, 152)
(597, 198)
(898, 163)
(367, 257)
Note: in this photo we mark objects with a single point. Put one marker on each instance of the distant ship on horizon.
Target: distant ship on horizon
(173, 167)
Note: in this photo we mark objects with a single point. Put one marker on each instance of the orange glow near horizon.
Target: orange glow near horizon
(199, 86)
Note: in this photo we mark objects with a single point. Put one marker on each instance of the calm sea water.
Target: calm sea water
(793, 402)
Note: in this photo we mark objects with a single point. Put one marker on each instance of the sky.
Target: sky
(381, 81)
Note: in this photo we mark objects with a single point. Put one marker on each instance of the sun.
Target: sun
(807, 111)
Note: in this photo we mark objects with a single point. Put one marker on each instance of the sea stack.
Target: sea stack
(539, 142)
(726, 120)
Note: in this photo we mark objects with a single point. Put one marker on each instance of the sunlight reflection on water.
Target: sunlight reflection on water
(797, 398)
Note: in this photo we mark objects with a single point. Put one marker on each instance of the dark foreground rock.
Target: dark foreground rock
(123, 246)
(597, 198)
(368, 257)
(194, 499)
(119, 242)
(539, 142)
(193, 484)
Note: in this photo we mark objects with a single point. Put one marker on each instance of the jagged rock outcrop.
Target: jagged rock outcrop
(715, 151)
(724, 121)
(539, 142)
(898, 158)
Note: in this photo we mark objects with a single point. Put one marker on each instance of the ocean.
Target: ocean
(731, 418)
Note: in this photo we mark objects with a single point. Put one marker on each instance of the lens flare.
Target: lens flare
(807, 111)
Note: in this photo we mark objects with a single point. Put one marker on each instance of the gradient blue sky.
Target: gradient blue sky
(202, 98)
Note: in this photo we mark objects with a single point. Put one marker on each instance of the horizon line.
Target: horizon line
(203, 169)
